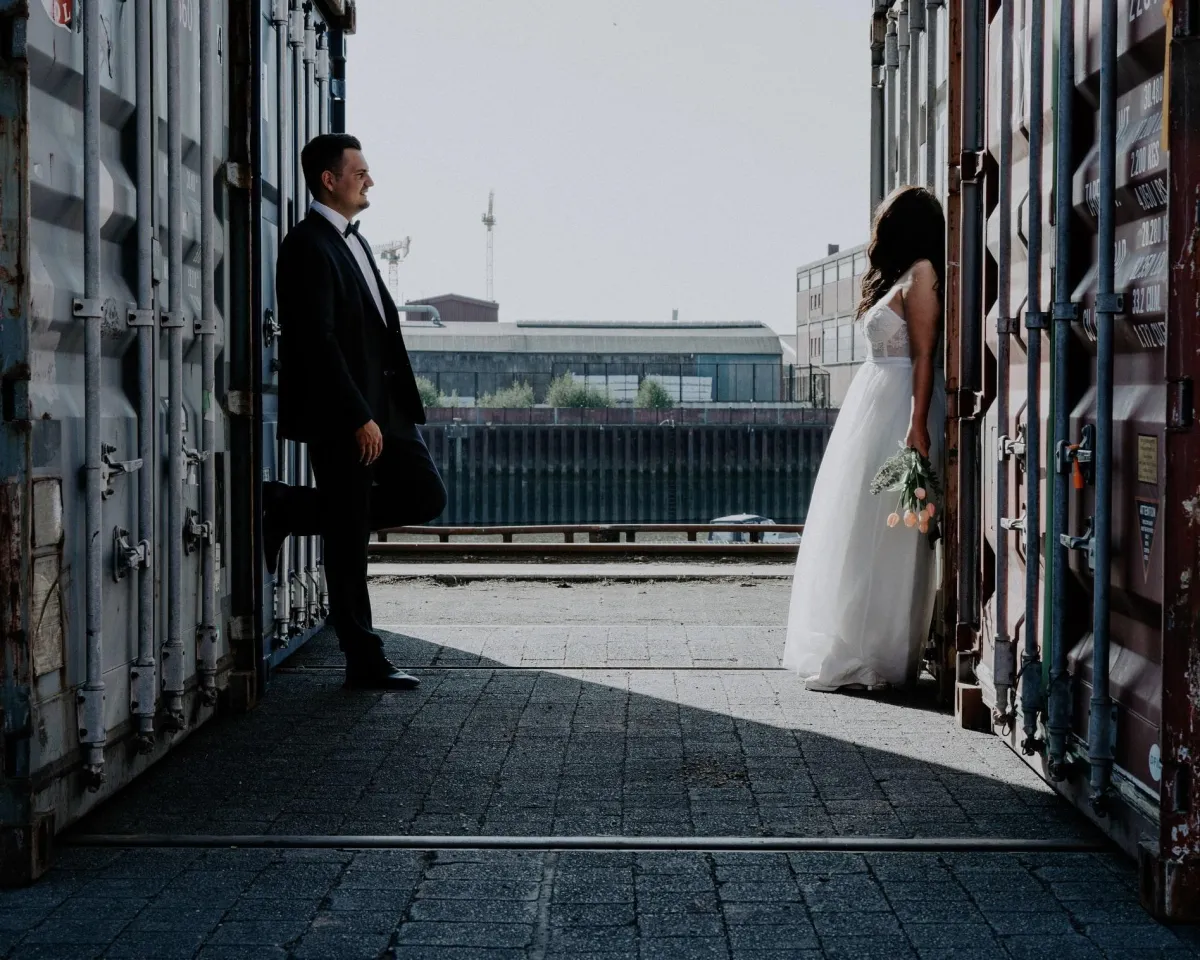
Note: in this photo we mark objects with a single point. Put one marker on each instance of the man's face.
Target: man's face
(348, 187)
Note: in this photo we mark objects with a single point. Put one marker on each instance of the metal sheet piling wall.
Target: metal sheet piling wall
(518, 474)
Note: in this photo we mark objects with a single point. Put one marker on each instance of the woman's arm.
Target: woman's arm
(922, 312)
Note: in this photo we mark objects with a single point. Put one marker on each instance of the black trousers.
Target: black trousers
(351, 500)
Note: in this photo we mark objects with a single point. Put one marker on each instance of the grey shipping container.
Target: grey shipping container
(149, 169)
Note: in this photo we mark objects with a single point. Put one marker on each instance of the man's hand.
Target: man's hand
(370, 442)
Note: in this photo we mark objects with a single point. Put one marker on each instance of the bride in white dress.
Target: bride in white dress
(863, 593)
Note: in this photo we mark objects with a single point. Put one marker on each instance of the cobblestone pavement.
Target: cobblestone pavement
(637, 710)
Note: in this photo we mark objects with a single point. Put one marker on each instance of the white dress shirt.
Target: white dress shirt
(358, 249)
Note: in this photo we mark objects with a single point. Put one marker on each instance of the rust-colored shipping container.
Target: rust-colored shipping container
(1073, 290)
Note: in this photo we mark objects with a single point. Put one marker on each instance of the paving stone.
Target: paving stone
(1060, 948)
(338, 946)
(473, 911)
(451, 934)
(680, 925)
(688, 949)
(568, 940)
(797, 936)
(163, 945)
(257, 933)
(592, 914)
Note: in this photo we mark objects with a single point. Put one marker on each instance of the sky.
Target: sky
(646, 155)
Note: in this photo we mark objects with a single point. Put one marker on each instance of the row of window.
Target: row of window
(834, 342)
(846, 268)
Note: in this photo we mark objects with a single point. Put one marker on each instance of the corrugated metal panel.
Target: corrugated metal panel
(1153, 489)
(42, 437)
(513, 474)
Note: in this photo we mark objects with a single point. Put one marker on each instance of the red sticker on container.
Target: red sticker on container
(60, 12)
(1147, 511)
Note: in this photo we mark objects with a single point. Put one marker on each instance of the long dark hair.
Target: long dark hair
(909, 226)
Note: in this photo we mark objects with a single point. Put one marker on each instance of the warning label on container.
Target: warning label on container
(1147, 454)
(60, 11)
(1147, 525)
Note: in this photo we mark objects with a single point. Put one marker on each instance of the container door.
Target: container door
(296, 106)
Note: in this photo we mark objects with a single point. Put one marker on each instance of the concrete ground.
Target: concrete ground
(584, 710)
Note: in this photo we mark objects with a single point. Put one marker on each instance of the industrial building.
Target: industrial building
(696, 363)
(455, 308)
(827, 336)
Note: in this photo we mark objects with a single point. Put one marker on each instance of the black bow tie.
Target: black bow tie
(350, 228)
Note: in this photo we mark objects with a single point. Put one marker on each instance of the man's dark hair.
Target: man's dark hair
(322, 153)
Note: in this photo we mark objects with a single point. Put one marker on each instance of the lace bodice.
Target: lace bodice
(886, 332)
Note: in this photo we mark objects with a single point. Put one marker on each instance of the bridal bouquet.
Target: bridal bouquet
(913, 477)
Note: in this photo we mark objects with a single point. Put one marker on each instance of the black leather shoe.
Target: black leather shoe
(385, 676)
(274, 524)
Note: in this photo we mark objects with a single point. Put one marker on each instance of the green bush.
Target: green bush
(431, 396)
(566, 391)
(519, 395)
(653, 396)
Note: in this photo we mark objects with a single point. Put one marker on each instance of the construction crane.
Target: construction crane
(393, 255)
(489, 221)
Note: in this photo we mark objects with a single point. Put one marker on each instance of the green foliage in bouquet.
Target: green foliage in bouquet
(913, 477)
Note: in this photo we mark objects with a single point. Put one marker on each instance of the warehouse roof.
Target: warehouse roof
(573, 337)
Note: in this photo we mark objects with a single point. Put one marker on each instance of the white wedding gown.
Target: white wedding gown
(863, 593)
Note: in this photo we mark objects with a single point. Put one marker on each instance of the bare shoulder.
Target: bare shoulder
(921, 277)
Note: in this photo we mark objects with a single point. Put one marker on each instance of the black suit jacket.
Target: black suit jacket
(340, 366)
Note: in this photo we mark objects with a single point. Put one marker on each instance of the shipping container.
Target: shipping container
(1071, 190)
(148, 170)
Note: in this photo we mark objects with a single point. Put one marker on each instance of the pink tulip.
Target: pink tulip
(910, 518)
(893, 519)
(923, 526)
(919, 493)
(930, 510)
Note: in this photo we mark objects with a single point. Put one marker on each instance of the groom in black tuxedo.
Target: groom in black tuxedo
(346, 388)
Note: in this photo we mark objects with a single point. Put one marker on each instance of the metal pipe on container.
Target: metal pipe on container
(1059, 694)
(92, 727)
(298, 585)
(322, 83)
(891, 59)
(142, 685)
(209, 630)
(283, 448)
(1035, 322)
(174, 668)
(916, 26)
(878, 149)
(903, 130)
(1003, 663)
(970, 342)
(312, 585)
(931, 90)
(1100, 721)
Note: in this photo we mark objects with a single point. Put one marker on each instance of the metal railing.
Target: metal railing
(683, 383)
(603, 540)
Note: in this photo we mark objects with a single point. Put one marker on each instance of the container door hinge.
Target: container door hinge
(195, 532)
(1076, 458)
(1086, 543)
(110, 468)
(191, 463)
(241, 629)
(239, 403)
(1180, 404)
(106, 311)
(128, 556)
(271, 328)
(970, 165)
(1014, 523)
(1009, 448)
(237, 175)
(143, 318)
